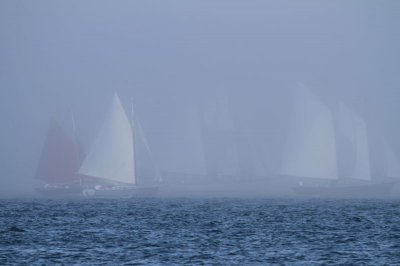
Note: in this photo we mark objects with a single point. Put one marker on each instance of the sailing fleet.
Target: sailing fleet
(331, 146)
(109, 169)
(326, 151)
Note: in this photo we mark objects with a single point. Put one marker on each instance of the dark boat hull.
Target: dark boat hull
(358, 191)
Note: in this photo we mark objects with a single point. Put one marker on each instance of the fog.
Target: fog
(213, 83)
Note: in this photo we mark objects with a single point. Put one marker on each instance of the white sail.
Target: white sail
(310, 150)
(392, 162)
(345, 141)
(354, 129)
(346, 123)
(112, 154)
(362, 164)
(221, 146)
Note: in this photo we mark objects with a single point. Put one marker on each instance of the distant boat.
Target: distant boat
(220, 144)
(312, 152)
(185, 157)
(392, 162)
(110, 168)
(59, 163)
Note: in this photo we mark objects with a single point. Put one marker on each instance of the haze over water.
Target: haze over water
(239, 102)
(177, 61)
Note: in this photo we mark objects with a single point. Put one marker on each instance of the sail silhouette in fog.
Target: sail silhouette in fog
(392, 162)
(310, 149)
(60, 160)
(186, 155)
(221, 144)
(353, 129)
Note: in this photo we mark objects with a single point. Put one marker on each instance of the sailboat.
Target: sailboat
(222, 157)
(312, 151)
(392, 162)
(184, 161)
(59, 163)
(110, 168)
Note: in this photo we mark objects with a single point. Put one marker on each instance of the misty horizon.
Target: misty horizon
(200, 132)
(173, 61)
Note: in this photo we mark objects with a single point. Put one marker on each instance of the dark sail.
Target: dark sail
(60, 158)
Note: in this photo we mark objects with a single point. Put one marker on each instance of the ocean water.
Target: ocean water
(199, 231)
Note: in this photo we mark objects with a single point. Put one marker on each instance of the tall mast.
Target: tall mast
(78, 155)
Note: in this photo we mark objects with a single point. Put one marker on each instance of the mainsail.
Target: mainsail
(392, 162)
(310, 149)
(221, 145)
(112, 154)
(59, 162)
(362, 166)
(353, 130)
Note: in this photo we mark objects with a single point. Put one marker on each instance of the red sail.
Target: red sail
(60, 161)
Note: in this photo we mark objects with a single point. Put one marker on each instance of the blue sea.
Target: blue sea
(184, 231)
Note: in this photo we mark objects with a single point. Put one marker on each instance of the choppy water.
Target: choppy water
(199, 231)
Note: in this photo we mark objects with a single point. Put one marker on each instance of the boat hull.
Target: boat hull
(354, 191)
(59, 191)
(124, 192)
(77, 192)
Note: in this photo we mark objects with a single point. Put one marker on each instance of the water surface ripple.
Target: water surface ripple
(199, 231)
